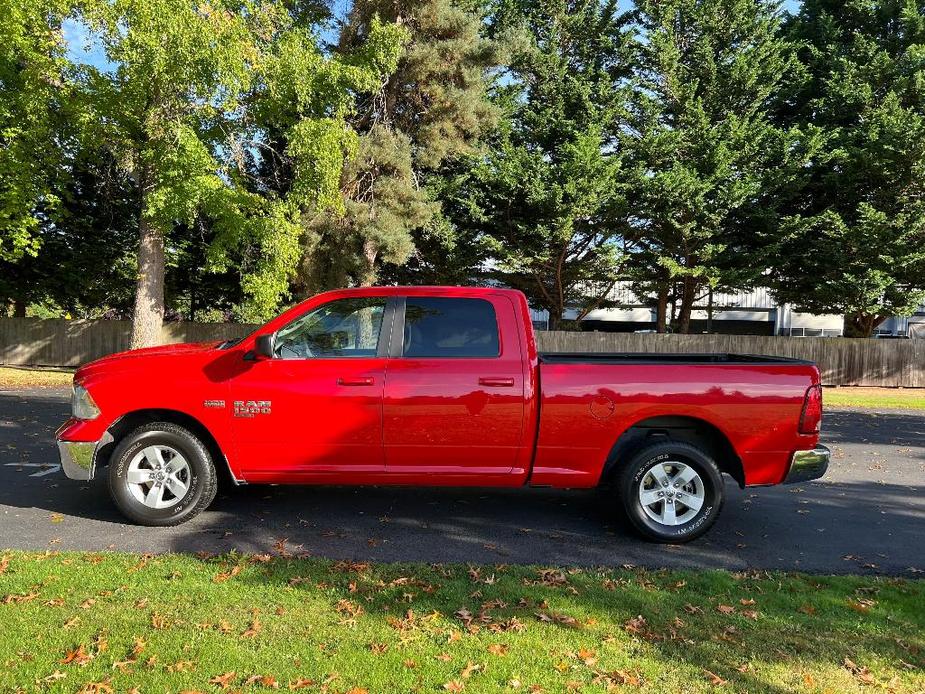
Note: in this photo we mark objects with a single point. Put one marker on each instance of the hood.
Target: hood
(129, 357)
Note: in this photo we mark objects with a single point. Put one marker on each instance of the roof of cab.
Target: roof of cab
(421, 291)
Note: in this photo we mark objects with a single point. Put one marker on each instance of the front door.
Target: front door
(454, 395)
(316, 407)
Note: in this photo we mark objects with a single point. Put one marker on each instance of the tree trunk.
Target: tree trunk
(19, 308)
(370, 253)
(861, 324)
(688, 294)
(661, 310)
(148, 316)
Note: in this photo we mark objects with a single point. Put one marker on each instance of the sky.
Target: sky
(84, 49)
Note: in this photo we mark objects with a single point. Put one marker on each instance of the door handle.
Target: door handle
(356, 381)
(496, 382)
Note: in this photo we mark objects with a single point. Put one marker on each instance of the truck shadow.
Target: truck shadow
(833, 528)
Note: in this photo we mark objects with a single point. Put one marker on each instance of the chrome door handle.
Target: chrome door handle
(356, 381)
(496, 382)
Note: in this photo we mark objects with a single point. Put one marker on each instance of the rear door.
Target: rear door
(454, 390)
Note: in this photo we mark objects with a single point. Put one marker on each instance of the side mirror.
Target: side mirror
(264, 347)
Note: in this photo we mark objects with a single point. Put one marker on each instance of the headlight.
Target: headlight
(82, 405)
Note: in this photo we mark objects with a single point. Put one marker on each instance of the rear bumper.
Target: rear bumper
(78, 458)
(808, 465)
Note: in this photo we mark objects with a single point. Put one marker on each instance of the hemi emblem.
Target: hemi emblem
(213, 403)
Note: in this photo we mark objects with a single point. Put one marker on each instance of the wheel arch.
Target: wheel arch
(132, 420)
(686, 428)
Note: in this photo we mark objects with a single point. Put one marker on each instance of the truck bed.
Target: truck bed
(663, 358)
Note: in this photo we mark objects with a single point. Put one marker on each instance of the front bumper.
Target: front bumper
(808, 465)
(78, 458)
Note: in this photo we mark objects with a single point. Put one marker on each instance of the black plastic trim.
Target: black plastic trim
(721, 358)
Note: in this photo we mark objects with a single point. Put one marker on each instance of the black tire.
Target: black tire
(634, 471)
(201, 478)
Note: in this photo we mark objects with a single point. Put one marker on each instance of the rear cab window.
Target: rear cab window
(442, 327)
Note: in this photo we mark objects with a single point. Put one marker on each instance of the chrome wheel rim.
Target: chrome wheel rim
(671, 493)
(159, 476)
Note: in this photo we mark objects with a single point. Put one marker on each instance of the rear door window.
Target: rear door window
(438, 327)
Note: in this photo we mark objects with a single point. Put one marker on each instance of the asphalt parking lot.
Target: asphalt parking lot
(866, 516)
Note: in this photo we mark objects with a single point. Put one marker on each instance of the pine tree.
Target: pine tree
(709, 165)
(432, 109)
(544, 199)
(855, 240)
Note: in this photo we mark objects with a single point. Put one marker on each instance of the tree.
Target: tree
(34, 97)
(710, 168)
(193, 93)
(854, 242)
(430, 111)
(546, 200)
(84, 263)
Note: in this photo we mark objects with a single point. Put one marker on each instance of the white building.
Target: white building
(747, 312)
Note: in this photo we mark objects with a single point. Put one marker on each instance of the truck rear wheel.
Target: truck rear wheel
(160, 474)
(671, 491)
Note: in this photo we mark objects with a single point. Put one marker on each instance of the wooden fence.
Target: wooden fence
(64, 343)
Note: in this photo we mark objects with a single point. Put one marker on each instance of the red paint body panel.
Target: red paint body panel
(451, 421)
(457, 416)
(756, 406)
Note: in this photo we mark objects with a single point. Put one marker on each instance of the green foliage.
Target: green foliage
(545, 202)
(432, 109)
(34, 95)
(554, 146)
(194, 94)
(709, 163)
(855, 240)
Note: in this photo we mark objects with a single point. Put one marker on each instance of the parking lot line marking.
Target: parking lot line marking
(47, 468)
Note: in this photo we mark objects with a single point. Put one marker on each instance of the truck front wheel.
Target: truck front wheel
(161, 474)
(671, 491)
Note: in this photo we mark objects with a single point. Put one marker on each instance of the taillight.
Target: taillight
(811, 416)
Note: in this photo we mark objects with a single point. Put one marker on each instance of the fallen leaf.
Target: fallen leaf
(103, 687)
(253, 629)
(454, 686)
(859, 671)
(498, 649)
(301, 683)
(263, 680)
(223, 681)
(714, 679)
(78, 656)
(470, 668)
(225, 575)
(725, 609)
(588, 657)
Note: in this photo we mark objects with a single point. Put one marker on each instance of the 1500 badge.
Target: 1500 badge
(249, 408)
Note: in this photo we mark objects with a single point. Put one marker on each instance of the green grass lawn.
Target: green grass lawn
(11, 377)
(111, 622)
(874, 398)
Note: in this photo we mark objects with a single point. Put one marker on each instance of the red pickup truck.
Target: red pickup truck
(438, 386)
